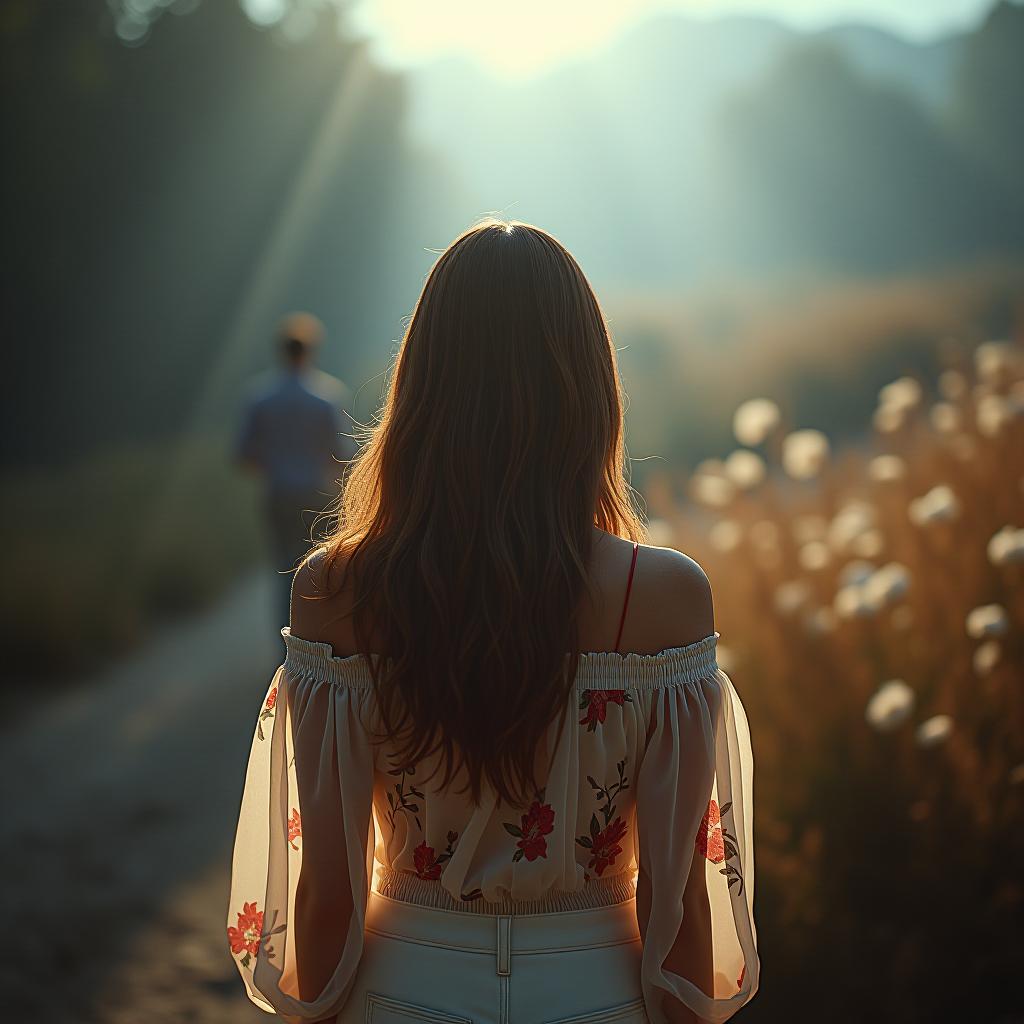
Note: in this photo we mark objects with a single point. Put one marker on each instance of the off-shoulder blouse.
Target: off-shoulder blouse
(653, 767)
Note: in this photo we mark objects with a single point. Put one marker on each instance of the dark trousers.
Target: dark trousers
(290, 517)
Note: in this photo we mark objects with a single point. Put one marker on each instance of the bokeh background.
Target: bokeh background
(805, 222)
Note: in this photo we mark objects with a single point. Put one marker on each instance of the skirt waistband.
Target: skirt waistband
(596, 893)
(503, 934)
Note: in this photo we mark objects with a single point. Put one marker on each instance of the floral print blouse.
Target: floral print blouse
(653, 768)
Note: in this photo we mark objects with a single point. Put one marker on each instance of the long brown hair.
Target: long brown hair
(467, 516)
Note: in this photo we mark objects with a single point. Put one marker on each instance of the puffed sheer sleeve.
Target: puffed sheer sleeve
(695, 811)
(303, 854)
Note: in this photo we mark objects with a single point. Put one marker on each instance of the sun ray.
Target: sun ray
(264, 299)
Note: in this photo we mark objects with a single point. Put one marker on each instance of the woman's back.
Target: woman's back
(648, 794)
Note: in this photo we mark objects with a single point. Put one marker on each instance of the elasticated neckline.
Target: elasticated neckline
(597, 669)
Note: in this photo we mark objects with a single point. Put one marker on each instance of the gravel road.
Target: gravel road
(121, 796)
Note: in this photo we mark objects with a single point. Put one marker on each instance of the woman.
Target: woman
(489, 694)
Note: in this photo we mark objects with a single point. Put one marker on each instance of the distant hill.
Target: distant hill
(926, 70)
(677, 54)
(632, 155)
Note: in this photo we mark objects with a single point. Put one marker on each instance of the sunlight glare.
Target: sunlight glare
(512, 42)
(535, 35)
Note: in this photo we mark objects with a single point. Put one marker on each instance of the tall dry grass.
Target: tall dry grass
(871, 609)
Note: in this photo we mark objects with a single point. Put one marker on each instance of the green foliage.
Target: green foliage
(171, 200)
(831, 167)
(100, 553)
(986, 112)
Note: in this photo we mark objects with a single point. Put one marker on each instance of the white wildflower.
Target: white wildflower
(710, 467)
(903, 394)
(992, 414)
(804, 453)
(726, 535)
(987, 620)
(711, 489)
(945, 417)
(986, 657)
(1006, 546)
(890, 705)
(814, 555)
(849, 602)
(887, 585)
(887, 419)
(933, 731)
(869, 544)
(992, 359)
(884, 469)
(754, 420)
(791, 596)
(745, 468)
(940, 504)
(853, 519)
(856, 572)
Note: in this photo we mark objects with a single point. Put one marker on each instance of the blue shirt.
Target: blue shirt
(292, 428)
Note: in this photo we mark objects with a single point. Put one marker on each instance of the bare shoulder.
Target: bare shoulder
(674, 605)
(316, 601)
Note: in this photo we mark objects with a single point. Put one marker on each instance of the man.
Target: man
(294, 435)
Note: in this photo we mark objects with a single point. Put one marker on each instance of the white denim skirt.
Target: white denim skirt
(423, 964)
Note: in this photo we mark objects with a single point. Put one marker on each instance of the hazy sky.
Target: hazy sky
(531, 34)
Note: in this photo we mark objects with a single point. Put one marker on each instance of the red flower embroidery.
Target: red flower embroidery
(739, 980)
(595, 703)
(268, 711)
(605, 846)
(717, 844)
(537, 822)
(709, 835)
(294, 828)
(246, 937)
(426, 865)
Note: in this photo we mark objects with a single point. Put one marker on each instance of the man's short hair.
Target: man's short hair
(298, 335)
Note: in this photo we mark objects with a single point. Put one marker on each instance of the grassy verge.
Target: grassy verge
(101, 552)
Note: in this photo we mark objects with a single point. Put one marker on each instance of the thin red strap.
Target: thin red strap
(629, 587)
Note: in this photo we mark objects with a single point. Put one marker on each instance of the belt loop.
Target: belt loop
(504, 944)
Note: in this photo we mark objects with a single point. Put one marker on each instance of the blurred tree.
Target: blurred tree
(833, 171)
(167, 200)
(986, 111)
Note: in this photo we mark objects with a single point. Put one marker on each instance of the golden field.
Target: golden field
(871, 603)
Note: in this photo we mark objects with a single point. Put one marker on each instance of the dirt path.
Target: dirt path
(121, 797)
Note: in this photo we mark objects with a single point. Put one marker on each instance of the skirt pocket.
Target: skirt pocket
(632, 1012)
(386, 1010)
